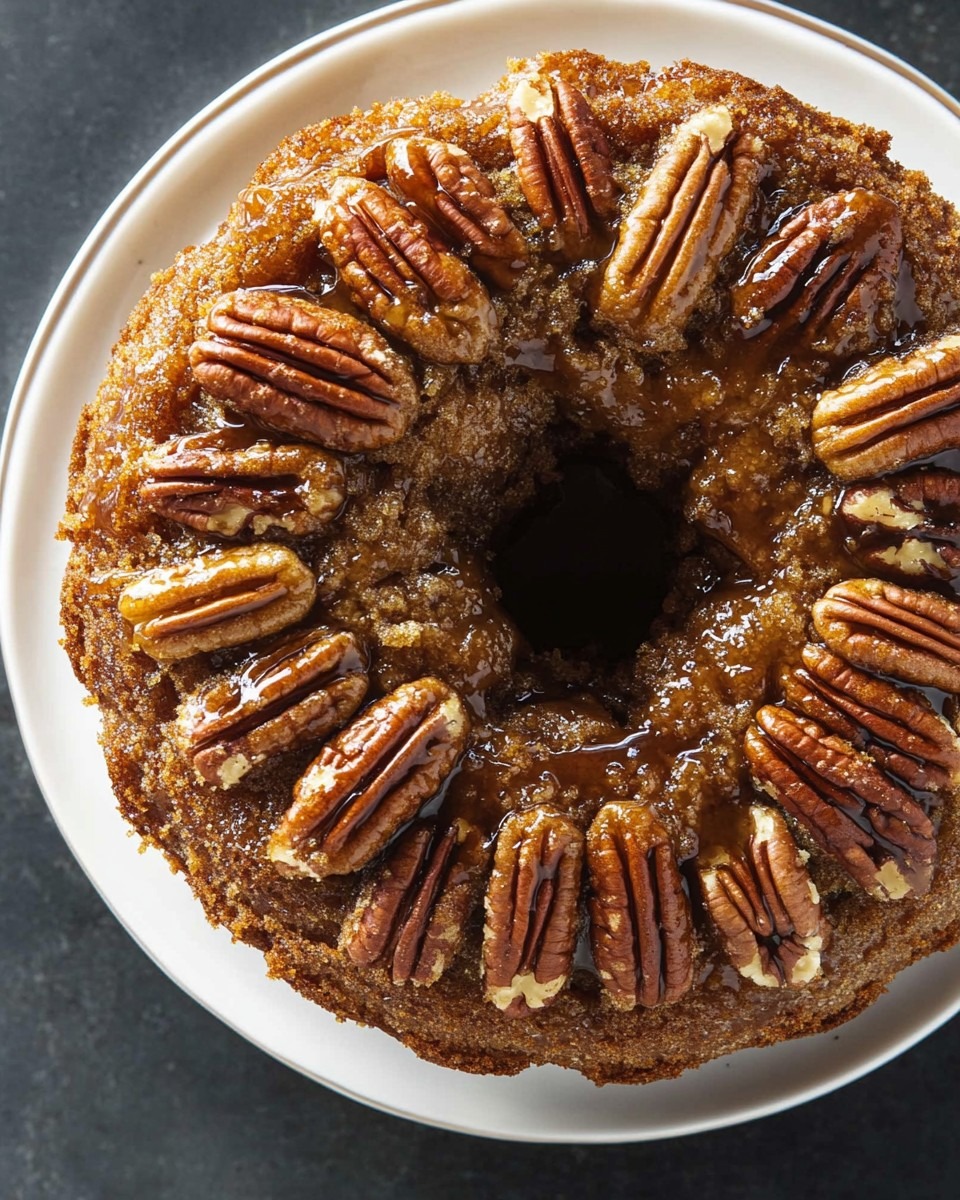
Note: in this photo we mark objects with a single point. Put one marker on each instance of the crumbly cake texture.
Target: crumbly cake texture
(718, 432)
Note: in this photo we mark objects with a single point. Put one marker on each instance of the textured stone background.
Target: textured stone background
(112, 1082)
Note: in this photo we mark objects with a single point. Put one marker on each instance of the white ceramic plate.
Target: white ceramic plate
(406, 49)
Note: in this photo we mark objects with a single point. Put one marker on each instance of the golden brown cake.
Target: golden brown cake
(514, 559)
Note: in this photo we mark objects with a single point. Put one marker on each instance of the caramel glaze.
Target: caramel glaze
(718, 431)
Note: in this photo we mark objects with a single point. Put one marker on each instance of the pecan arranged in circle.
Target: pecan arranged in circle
(531, 910)
(413, 913)
(898, 631)
(897, 726)
(853, 811)
(215, 600)
(828, 270)
(303, 369)
(685, 221)
(227, 483)
(908, 524)
(897, 412)
(765, 905)
(446, 186)
(563, 162)
(293, 693)
(402, 277)
(640, 928)
(370, 779)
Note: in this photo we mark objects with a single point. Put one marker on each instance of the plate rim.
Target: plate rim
(77, 269)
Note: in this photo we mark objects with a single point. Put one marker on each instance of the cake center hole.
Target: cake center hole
(587, 563)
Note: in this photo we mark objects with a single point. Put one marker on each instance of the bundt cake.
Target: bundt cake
(514, 560)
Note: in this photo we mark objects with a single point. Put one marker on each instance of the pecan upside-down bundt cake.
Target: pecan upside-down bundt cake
(514, 560)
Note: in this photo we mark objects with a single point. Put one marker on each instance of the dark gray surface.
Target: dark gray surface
(112, 1082)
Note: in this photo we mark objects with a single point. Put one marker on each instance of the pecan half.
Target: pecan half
(827, 272)
(898, 631)
(303, 369)
(215, 600)
(413, 913)
(446, 186)
(908, 524)
(531, 910)
(400, 275)
(897, 726)
(685, 221)
(896, 412)
(853, 811)
(563, 162)
(227, 483)
(292, 694)
(765, 905)
(370, 779)
(640, 927)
